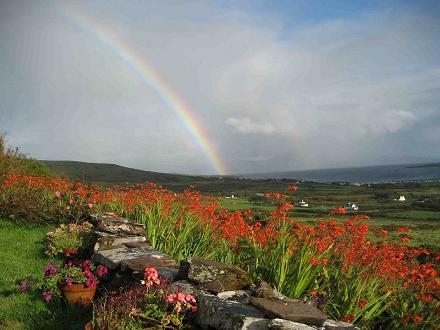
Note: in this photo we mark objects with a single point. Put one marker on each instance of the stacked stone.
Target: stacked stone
(122, 245)
(226, 296)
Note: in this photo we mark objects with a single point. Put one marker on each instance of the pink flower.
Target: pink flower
(101, 270)
(50, 234)
(47, 296)
(69, 280)
(90, 282)
(57, 194)
(71, 202)
(171, 297)
(71, 227)
(24, 285)
(86, 263)
(90, 205)
(89, 274)
(151, 276)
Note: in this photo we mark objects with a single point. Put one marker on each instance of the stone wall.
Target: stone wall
(226, 296)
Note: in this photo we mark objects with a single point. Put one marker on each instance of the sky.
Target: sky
(222, 87)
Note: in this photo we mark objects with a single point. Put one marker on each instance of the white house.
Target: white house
(301, 203)
(351, 207)
(402, 199)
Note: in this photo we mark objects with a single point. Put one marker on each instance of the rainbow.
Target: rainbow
(152, 79)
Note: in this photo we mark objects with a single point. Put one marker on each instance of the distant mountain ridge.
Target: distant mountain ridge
(114, 174)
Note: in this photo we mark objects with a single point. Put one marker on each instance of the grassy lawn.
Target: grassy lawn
(21, 255)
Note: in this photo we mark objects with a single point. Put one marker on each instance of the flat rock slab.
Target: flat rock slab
(218, 313)
(113, 258)
(241, 296)
(139, 264)
(338, 325)
(280, 324)
(121, 227)
(115, 241)
(214, 276)
(264, 290)
(184, 287)
(292, 311)
(109, 216)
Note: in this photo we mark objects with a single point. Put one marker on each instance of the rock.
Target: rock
(292, 311)
(217, 313)
(108, 216)
(264, 290)
(253, 323)
(103, 234)
(165, 273)
(338, 325)
(185, 287)
(139, 264)
(137, 244)
(113, 224)
(280, 324)
(241, 296)
(114, 241)
(113, 258)
(119, 227)
(214, 276)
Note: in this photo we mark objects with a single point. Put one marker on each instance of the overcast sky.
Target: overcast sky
(275, 85)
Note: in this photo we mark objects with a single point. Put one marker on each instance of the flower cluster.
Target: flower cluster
(150, 277)
(69, 239)
(182, 302)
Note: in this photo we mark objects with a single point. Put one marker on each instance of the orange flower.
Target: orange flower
(362, 303)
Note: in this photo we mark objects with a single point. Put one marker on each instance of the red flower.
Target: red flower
(314, 262)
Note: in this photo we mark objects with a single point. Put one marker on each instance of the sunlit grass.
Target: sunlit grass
(21, 256)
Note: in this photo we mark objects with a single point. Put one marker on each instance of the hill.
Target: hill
(111, 174)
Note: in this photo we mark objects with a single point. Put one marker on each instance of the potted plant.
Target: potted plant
(76, 280)
(69, 240)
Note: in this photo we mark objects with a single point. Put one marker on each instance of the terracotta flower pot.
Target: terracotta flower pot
(69, 252)
(79, 294)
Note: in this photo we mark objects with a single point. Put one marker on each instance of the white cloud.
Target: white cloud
(248, 126)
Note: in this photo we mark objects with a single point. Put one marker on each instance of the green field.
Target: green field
(375, 200)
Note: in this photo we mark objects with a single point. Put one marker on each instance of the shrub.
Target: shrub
(12, 160)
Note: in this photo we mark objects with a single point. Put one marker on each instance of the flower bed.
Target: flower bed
(359, 274)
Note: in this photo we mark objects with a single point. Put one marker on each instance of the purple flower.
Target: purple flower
(24, 285)
(69, 280)
(68, 264)
(50, 270)
(47, 296)
(101, 270)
